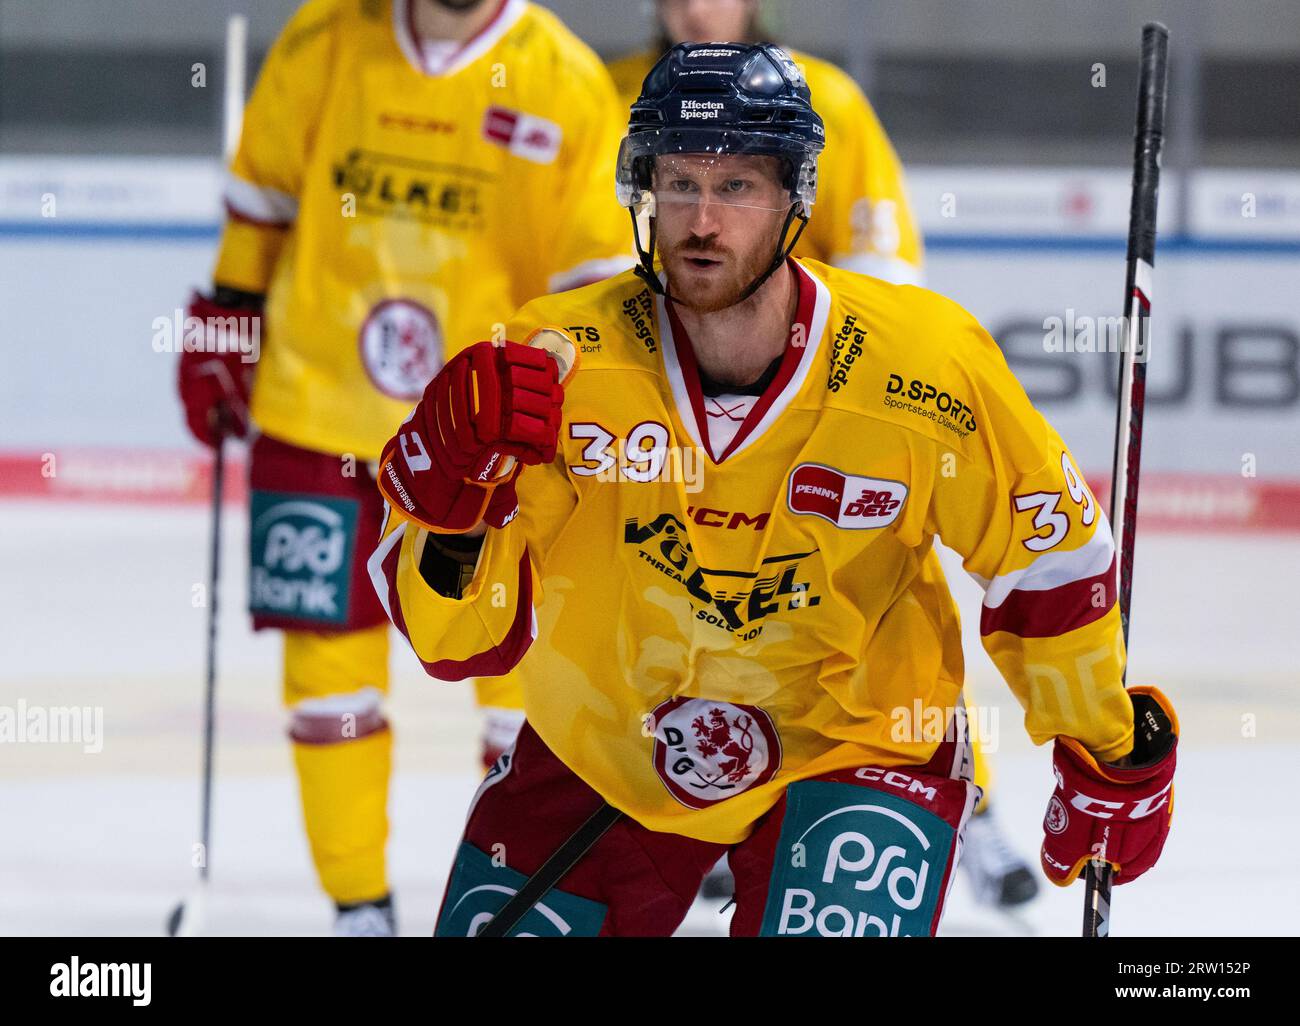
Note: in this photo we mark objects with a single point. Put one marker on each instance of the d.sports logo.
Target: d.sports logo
(846, 500)
(707, 751)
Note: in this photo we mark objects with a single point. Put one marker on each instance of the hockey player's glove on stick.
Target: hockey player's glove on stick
(215, 381)
(1120, 814)
(491, 409)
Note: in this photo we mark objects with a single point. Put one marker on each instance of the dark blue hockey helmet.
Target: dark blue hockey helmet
(723, 98)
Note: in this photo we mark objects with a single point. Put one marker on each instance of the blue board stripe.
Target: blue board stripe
(207, 232)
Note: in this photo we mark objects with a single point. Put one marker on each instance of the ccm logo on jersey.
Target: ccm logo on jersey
(843, 499)
(524, 135)
(896, 779)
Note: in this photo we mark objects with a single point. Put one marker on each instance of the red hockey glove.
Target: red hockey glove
(1119, 814)
(453, 463)
(215, 385)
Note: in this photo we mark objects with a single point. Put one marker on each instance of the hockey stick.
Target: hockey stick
(551, 872)
(1152, 92)
(186, 919)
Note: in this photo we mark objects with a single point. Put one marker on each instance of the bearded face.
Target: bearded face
(718, 223)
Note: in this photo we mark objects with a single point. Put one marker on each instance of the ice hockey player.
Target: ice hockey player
(730, 653)
(863, 222)
(410, 172)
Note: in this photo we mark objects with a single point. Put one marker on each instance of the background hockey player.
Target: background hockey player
(410, 172)
(862, 223)
(724, 657)
(863, 220)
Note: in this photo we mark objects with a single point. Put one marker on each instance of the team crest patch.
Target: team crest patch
(401, 348)
(707, 751)
(1057, 819)
(524, 135)
(847, 501)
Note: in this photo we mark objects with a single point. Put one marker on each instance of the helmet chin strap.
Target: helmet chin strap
(782, 251)
(645, 269)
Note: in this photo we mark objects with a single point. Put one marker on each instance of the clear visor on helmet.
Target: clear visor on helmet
(680, 168)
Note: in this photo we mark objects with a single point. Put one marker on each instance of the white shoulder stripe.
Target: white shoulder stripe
(1053, 569)
(259, 203)
(588, 272)
(891, 269)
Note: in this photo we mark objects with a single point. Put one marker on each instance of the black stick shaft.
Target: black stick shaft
(552, 872)
(1137, 304)
(210, 706)
(1148, 139)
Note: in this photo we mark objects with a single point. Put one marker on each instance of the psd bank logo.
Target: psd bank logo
(707, 751)
(301, 556)
(854, 862)
(480, 887)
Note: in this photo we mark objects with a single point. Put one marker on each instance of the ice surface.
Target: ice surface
(97, 609)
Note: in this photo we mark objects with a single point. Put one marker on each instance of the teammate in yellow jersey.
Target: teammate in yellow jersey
(714, 539)
(862, 223)
(410, 172)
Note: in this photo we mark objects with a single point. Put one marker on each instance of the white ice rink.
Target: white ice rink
(96, 610)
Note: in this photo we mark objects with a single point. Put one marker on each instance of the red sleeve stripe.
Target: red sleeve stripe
(500, 658)
(1055, 611)
(494, 661)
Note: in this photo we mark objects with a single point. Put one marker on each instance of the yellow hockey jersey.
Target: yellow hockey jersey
(395, 199)
(722, 610)
(862, 220)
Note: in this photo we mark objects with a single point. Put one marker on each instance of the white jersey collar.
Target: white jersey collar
(508, 12)
(686, 388)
